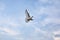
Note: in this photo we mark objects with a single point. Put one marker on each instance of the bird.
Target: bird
(28, 17)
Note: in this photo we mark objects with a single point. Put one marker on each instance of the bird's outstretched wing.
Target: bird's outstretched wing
(27, 14)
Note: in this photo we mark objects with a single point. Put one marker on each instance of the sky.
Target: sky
(45, 24)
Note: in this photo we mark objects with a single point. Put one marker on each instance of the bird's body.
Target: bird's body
(28, 18)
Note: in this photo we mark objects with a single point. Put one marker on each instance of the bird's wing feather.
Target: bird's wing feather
(27, 14)
(26, 20)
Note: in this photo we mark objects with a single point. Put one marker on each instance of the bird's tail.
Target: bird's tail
(31, 18)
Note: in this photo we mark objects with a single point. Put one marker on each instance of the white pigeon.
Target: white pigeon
(28, 18)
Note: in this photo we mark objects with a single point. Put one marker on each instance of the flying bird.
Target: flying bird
(28, 17)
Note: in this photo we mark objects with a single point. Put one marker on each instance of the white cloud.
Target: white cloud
(2, 6)
(52, 12)
(50, 20)
(9, 21)
(56, 33)
(56, 38)
(38, 30)
(43, 1)
(8, 31)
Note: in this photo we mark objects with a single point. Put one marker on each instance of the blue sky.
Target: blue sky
(45, 26)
